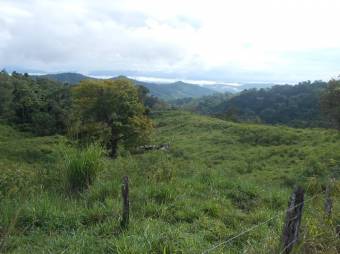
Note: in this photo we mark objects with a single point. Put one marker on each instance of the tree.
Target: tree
(231, 114)
(143, 93)
(330, 102)
(111, 111)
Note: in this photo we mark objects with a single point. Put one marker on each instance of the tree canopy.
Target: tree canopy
(37, 105)
(294, 105)
(106, 111)
(110, 111)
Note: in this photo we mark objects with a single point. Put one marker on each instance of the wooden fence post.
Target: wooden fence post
(328, 201)
(293, 221)
(126, 204)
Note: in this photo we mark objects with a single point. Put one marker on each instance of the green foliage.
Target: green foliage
(112, 110)
(296, 106)
(176, 90)
(109, 112)
(262, 136)
(207, 105)
(330, 102)
(82, 166)
(6, 90)
(36, 105)
(66, 78)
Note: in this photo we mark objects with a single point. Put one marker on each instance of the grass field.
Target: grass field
(217, 179)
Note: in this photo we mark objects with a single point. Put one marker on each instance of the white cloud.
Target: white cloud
(211, 40)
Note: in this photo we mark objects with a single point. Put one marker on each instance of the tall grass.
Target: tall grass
(211, 185)
(82, 165)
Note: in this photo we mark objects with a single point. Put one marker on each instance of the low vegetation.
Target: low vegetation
(82, 166)
(217, 179)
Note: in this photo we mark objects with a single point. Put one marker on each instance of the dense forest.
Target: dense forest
(37, 105)
(207, 105)
(107, 111)
(297, 106)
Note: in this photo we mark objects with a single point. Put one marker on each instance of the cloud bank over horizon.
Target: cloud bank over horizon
(227, 41)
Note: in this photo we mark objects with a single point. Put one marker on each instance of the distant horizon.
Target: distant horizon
(159, 80)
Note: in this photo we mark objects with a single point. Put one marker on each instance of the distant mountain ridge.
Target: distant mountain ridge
(66, 77)
(176, 90)
(168, 91)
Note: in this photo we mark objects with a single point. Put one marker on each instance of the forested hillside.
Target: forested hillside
(297, 105)
(207, 105)
(177, 90)
(67, 77)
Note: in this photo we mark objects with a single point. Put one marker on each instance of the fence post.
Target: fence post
(328, 201)
(126, 205)
(293, 221)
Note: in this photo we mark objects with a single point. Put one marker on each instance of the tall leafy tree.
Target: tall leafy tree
(109, 110)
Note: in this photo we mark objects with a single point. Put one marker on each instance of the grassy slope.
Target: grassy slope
(217, 179)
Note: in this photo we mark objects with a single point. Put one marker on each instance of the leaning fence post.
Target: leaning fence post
(126, 205)
(328, 201)
(293, 221)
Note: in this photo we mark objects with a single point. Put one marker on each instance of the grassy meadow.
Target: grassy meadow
(217, 179)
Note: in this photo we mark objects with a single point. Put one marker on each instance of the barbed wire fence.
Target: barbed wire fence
(284, 248)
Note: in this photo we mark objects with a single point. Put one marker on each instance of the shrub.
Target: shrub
(82, 166)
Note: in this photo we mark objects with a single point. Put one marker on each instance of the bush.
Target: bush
(82, 166)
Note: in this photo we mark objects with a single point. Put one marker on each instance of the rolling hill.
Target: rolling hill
(176, 90)
(168, 91)
(217, 179)
(66, 77)
(293, 105)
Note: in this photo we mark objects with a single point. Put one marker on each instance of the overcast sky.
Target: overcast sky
(226, 40)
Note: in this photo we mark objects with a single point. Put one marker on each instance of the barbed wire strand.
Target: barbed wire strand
(258, 225)
(290, 244)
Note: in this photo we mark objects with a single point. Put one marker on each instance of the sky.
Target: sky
(215, 40)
